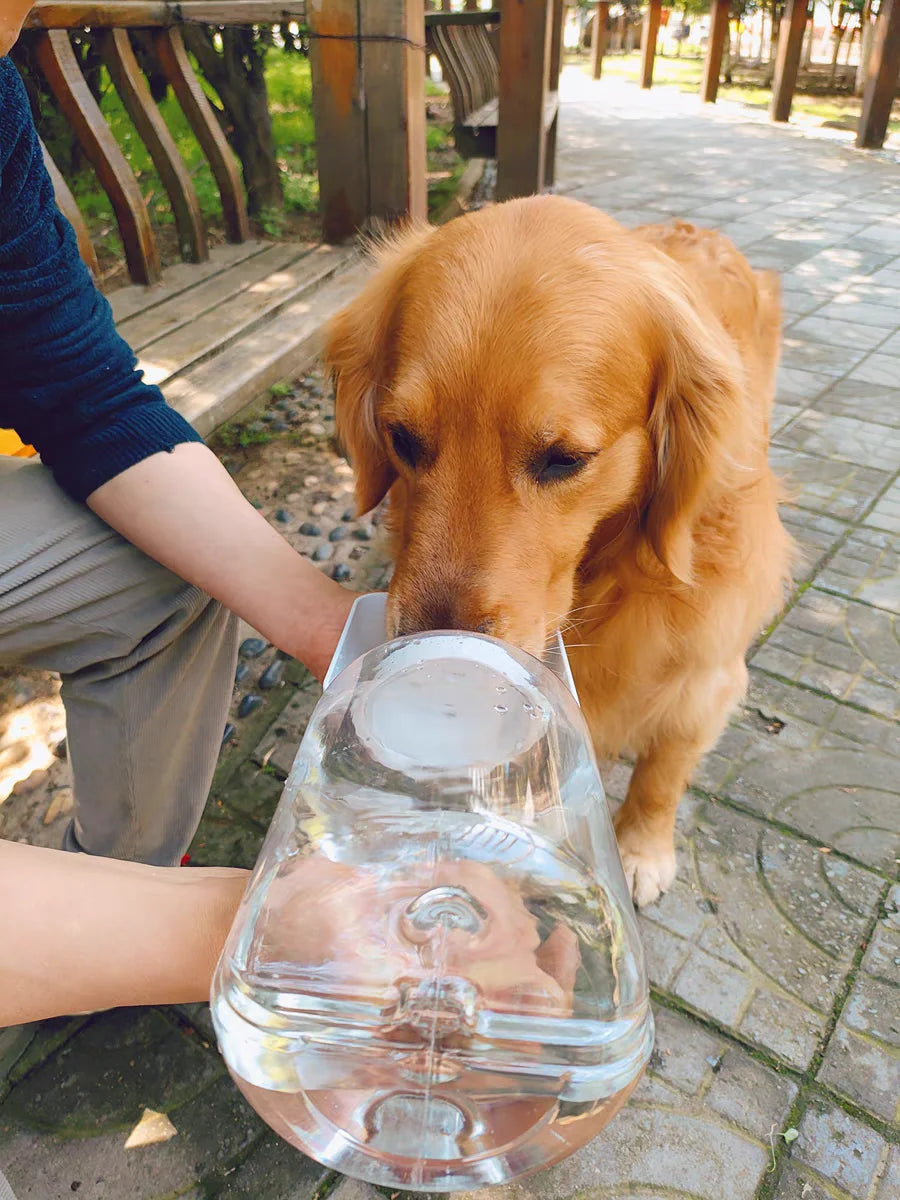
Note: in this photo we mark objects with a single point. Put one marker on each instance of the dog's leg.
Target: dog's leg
(645, 824)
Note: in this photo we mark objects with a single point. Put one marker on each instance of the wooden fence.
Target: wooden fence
(368, 71)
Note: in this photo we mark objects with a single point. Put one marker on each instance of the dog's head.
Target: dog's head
(525, 381)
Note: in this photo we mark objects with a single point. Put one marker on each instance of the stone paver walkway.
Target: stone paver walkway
(775, 959)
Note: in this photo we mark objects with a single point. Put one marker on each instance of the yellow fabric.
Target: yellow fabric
(10, 443)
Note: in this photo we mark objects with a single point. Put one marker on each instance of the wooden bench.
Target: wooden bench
(465, 45)
(508, 66)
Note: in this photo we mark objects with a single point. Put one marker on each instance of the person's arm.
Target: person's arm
(83, 933)
(69, 387)
(184, 510)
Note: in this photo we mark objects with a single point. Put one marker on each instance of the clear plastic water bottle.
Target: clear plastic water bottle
(434, 980)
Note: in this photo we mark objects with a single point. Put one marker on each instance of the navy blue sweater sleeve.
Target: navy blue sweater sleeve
(68, 382)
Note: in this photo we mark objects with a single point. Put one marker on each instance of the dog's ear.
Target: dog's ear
(359, 352)
(697, 419)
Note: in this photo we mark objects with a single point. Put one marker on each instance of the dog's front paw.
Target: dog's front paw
(649, 863)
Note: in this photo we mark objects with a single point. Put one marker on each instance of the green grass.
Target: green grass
(686, 74)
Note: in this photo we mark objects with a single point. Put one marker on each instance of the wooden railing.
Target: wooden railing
(368, 70)
(59, 65)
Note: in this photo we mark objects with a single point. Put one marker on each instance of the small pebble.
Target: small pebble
(279, 426)
(337, 534)
(365, 533)
(228, 734)
(283, 516)
(291, 414)
(271, 677)
(349, 514)
(318, 509)
(268, 417)
(316, 429)
(308, 529)
(341, 573)
(257, 504)
(249, 704)
(241, 672)
(321, 553)
(284, 404)
(256, 427)
(251, 647)
(60, 750)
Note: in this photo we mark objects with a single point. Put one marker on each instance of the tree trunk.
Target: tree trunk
(727, 56)
(142, 44)
(808, 45)
(865, 49)
(238, 76)
(769, 72)
(837, 33)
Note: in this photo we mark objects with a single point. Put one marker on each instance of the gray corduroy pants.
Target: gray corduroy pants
(147, 665)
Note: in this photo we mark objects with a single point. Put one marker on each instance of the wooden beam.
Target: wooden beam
(393, 72)
(50, 14)
(526, 33)
(649, 34)
(551, 110)
(154, 133)
(335, 56)
(718, 32)
(65, 202)
(59, 65)
(176, 67)
(598, 39)
(881, 84)
(787, 59)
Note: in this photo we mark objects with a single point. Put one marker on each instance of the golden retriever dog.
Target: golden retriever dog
(572, 422)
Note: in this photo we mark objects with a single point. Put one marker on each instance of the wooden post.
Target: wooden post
(598, 41)
(394, 79)
(558, 18)
(650, 33)
(787, 59)
(368, 75)
(718, 32)
(334, 56)
(881, 84)
(526, 32)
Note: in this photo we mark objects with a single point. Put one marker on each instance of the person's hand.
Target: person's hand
(317, 652)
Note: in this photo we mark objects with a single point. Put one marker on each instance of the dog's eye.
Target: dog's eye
(556, 464)
(407, 446)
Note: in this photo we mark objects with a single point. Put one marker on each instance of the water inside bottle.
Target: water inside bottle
(436, 981)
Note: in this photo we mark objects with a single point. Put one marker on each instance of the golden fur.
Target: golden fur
(572, 422)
